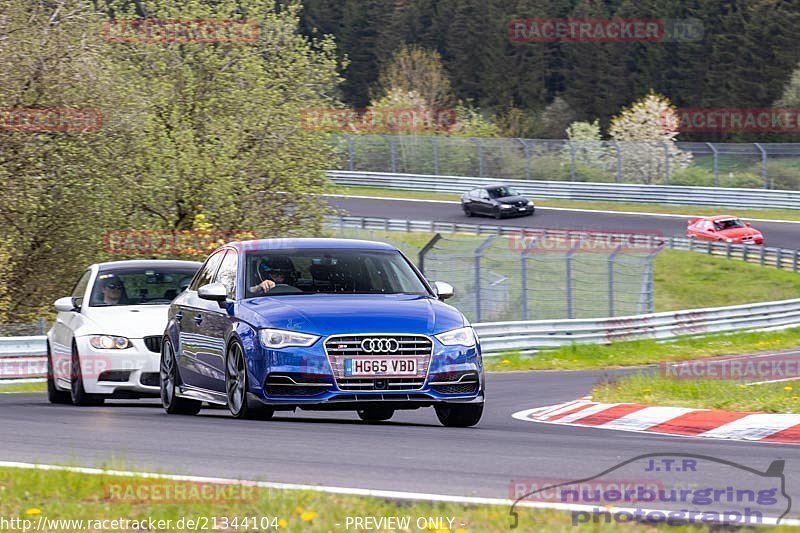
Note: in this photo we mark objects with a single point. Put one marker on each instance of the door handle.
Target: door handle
(198, 319)
(179, 317)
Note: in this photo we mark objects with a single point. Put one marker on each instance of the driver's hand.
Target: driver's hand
(265, 286)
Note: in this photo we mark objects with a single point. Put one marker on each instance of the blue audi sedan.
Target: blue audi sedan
(319, 324)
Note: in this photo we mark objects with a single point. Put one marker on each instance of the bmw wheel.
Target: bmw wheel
(173, 404)
(78, 394)
(459, 415)
(236, 387)
(467, 210)
(497, 213)
(54, 394)
(375, 414)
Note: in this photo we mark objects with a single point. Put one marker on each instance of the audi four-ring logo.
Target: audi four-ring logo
(380, 345)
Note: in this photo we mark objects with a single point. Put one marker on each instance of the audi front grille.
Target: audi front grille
(341, 347)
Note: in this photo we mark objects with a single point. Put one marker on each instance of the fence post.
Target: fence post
(480, 157)
(478, 255)
(716, 163)
(528, 157)
(763, 165)
(619, 161)
(393, 153)
(571, 160)
(611, 259)
(524, 273)
(351, 154)
(435, 151)
(42, 326)
(666, 161)
(570, 311)
(427, 248)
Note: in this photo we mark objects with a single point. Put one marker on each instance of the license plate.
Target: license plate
(380, 367)
(521, 209)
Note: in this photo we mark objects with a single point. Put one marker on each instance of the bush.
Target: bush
(784, 174)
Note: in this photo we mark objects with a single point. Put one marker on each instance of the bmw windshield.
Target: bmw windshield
(297, 272)
(139, 286)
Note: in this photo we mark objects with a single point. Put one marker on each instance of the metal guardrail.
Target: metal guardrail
(781, 258)
(536, 335)
(606, 192)
(23, 357)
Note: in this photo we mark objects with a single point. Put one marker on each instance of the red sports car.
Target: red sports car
(723, 228)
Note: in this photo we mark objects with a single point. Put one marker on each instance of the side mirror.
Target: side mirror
(216, 292)
(443, 290)
(65, 304)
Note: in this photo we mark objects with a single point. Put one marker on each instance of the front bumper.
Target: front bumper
(517, 211)
(129, 373)
(307, 380)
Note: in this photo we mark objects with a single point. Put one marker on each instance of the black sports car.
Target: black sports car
(498, 201)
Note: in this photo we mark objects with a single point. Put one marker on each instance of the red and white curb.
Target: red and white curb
(678, 421)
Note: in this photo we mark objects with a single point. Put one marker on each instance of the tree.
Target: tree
(419, 71)
(646, 132)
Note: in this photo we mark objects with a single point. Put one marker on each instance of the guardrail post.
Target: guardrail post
(794, 262)
(619, 161)
(666, 161)
(779, 258)
(761, 257)
(568, 275)
(611, 259)
(728, 250)
(425, 249)
(763, 165)
(745, 249)
(435, 149)
(351, 154)
(716, 163)
(478, 255)
(571, 160)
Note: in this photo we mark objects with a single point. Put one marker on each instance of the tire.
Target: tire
(467, 211)
(54, 394)
(497, 213)
(77, 393)
(168, 372)
(236, 387)
(455, 415)
(375, 414)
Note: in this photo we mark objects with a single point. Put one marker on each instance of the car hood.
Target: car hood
(738, 233)
(513, 200)
(328, 314)
(132, 321)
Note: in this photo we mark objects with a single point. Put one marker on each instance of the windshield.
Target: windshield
(331, 272)
(732, 223)
(503, 192)
(139, 286)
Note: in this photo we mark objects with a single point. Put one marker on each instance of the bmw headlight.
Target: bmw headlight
(278, 338)
(458, 337)
(728, 240)
(530, 202)
(109, 342)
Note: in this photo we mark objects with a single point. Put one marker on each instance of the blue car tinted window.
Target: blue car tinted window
(333, 271)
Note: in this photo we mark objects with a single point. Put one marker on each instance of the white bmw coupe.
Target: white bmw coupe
(106, 341)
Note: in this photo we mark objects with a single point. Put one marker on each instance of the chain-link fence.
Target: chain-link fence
(532, 276)
(750, 165)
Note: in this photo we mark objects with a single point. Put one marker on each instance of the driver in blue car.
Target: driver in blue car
(273, 271)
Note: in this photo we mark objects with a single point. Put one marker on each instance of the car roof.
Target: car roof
(262, 245)
(721, 217)
(144, 263)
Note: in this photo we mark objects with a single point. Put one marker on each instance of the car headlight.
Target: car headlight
(530, 203)
(458, 337)
(278, 338)
(728, 240)
(109, 342)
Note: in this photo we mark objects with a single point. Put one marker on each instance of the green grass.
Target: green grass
(688, 280)
(776, 214)
(706, 394)
(31, 494)
(636, 353)
(22, 387)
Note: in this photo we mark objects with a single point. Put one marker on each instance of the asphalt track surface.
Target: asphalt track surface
(777, 234)
(412, 452)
